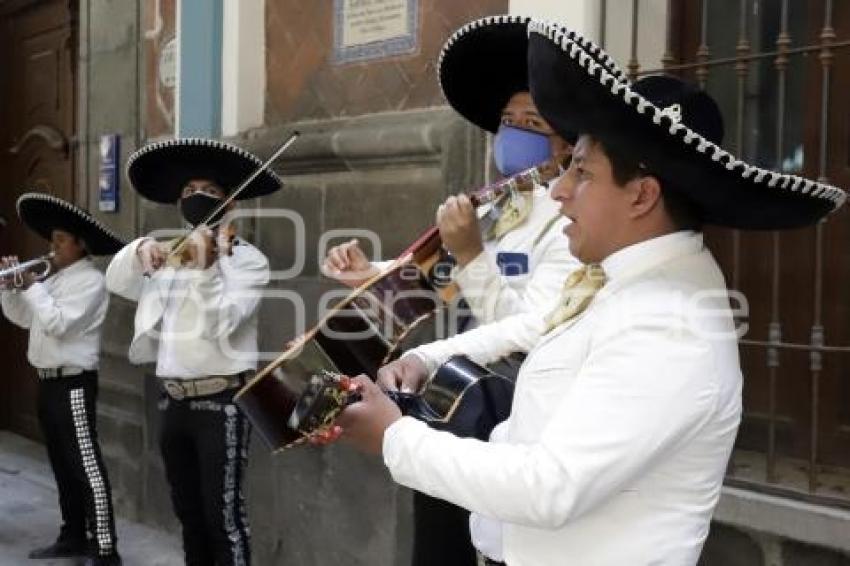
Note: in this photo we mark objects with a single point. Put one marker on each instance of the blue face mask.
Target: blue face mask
(515, 149)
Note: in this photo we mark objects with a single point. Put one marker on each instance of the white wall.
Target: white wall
(243, 62)
(583, 16)
(579, 15)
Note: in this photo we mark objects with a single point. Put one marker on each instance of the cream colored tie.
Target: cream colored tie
(578, 291)
(514, 209)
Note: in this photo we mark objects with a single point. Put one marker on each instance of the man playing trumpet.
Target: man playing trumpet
(64, 314)
(197, 321)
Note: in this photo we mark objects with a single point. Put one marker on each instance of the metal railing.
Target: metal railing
(768, 470)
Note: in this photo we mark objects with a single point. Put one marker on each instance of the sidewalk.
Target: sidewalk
(29, 514)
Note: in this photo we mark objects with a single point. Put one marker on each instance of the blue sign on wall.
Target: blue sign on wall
(374, 29)
(108, 180)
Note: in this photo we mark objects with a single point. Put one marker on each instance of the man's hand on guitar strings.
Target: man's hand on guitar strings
(331, 434)
(364, 422)
(406, 374)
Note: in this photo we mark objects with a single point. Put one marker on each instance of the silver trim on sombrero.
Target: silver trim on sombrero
(507, 19)
(688, 136)
(70, 208)
(203, 142)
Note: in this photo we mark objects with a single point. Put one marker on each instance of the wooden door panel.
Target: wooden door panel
(37, 100)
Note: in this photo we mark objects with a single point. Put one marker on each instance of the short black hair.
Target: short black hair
(683, 211)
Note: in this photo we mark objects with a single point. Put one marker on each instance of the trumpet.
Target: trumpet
(12, 277)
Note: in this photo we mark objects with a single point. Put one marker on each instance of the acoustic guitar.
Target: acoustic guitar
(287, 407)
(377, 321)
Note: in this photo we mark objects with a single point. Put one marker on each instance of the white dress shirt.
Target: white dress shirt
(64, 314)
(194, 323)
(622, 422)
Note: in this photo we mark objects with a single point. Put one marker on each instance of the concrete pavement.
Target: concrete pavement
(29, 514)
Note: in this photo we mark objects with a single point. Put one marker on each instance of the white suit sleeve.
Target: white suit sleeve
(488, 343)
(80, 304)
(230, 290)
(16, 309)
(491, 297)
(124, 275)
(627, 407)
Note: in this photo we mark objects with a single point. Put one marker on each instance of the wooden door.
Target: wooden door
(37, 104)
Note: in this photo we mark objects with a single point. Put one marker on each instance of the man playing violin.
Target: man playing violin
(64, 313)
(197, 321)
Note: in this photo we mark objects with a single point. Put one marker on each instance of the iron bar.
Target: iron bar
(751, 57)
(668, 58)
(703, 52)
(634, 65)
(827, 36)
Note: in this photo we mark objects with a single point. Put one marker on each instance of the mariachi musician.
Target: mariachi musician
(517, 264)
(197, 320)
(64, 313)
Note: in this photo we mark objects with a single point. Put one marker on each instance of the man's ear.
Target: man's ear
(646, 195)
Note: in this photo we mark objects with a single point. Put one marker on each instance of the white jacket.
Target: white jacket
(622, 423)
(494, 290)
(64, 314)
(208, 318)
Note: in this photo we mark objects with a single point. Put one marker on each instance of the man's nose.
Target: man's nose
(563, 187)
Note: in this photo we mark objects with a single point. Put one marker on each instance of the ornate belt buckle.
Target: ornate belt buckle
(175, 390)
(215, 385)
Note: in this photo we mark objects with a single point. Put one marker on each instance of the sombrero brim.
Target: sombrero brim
(484, 63)
(44, 213)
(575, 93)
(159, 171)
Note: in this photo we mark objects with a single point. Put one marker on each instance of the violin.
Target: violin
(427, 252)
(185, 250)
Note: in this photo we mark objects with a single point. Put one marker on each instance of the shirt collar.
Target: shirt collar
(81, 263)
(649, 253)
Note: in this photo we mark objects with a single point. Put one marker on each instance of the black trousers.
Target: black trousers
(67, 413)
(204, 444)
(441, 533)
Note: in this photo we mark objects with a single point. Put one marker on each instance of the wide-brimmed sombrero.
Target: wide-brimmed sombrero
(484, 63)
(159, 171)
(44, 213)
(674, 130)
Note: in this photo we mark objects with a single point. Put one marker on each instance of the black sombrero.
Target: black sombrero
(159, 171)
(674, 130)
(44, 213)
(485, 62)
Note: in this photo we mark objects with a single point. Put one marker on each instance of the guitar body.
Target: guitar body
(463, 398)
(303, 395)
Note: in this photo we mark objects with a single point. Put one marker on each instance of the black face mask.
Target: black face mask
(198, 206)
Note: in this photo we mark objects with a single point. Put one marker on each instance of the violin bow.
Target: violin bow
(289, 141)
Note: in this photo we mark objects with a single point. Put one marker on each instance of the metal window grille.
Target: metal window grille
(778, 69)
